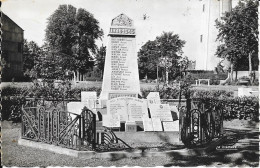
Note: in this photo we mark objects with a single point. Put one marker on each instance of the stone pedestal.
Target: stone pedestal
(130, 127)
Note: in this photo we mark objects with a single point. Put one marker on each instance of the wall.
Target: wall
(12, 49)
(210, 11)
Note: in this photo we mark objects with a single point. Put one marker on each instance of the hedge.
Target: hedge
(233, 108)
(13, 98)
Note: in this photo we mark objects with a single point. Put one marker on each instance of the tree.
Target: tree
(148, 60)
(238, 30)
(31, 55)
(164, 51)
(183, 63)
(71, 35)
(100, 59)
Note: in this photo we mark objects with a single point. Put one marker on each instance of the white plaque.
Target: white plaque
(153, 95)
(88, 95)
(117, 106)
(153, 98)
(157, 124)
(137, 109)
(175, 109)
(170, 125)
(76, 107)
(148, 124)
(161, 111)
(111, 120)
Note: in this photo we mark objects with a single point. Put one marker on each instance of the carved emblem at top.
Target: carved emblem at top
(122, 20)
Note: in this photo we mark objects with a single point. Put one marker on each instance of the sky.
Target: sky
(162, 15)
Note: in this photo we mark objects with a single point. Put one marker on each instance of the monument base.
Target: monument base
(150, 137)
(130, 127)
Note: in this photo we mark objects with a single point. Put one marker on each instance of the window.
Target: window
(201, 38)
(203, 8)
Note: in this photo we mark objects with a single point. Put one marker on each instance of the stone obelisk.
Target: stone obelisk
(121, 77)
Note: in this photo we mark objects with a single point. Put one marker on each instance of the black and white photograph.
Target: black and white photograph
(124, 83)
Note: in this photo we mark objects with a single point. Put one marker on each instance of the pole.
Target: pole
(157, 77)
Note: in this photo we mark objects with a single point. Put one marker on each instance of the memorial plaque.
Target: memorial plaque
(111, 120)
(153, 98)
(76, 107)
(170, 125)
(88, 95)
(161, 111)
(137, 109)
(148, 124)
(121, 69)
(89, 98)
(174, 112)
(118, 106)
(153, 95)
(157, 124)
(130, 127)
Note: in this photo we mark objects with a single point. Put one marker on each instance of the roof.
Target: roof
(4, 15)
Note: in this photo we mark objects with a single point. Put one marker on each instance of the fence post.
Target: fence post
(22, 130)
(80, 135)
(94, 130)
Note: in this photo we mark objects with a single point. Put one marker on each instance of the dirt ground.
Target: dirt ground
(243, 134)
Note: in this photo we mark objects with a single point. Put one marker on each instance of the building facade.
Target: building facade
(211, 10)
(12, 49)
(201, 33)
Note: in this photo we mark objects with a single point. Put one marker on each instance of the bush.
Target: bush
(213, 93)
(233, 108)
(11, 108)
(14, 97)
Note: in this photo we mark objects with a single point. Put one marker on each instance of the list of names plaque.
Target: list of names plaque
(120, 70)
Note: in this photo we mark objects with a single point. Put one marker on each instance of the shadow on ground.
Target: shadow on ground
(245, 152)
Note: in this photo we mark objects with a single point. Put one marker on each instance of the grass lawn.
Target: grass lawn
(245, 133)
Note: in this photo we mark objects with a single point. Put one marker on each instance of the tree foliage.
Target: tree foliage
(238, 32)
(164, 51)
(71, 35)
(100, 59)
(148, 60)
(31, 55)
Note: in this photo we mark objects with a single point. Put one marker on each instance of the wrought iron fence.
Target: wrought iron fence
(200, 125)
(107, 141)
(49, 122)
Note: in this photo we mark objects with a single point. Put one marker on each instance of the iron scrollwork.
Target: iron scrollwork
(43, 121)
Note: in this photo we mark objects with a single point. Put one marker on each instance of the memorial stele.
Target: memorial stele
(121, 77)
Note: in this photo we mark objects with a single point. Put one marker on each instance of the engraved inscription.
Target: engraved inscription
(120, 71)
(124, 31)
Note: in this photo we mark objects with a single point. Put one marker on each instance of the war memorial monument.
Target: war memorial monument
(118, 103)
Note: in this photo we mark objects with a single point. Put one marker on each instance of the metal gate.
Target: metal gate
(199, 126)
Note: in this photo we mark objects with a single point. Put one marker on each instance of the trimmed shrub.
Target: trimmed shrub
(233, 108)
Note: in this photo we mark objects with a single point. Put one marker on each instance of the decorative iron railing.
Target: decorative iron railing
(199, 126)
(49, 122)
(108, 141)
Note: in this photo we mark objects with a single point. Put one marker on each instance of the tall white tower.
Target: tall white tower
(211, 10)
